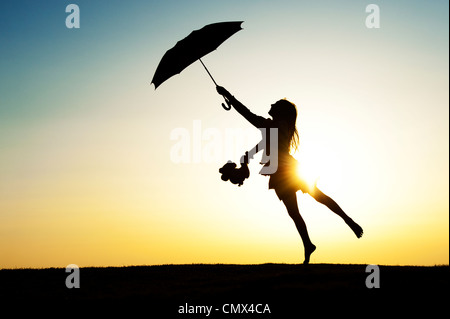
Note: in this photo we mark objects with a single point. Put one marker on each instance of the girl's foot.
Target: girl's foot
(355, 227)
(308, 251)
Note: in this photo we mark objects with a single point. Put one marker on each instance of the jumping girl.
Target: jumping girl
(284, 180)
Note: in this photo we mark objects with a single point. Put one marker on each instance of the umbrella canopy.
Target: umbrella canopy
(192, 48)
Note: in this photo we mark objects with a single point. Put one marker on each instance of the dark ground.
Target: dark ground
(287, 289)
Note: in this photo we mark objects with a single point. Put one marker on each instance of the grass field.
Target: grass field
(287, 289)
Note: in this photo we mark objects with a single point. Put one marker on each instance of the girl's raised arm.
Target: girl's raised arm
(256, 120)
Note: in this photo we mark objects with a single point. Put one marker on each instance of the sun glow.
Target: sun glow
(318, 166)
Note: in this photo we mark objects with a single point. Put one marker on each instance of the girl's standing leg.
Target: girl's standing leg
(290, 201)
(319, 196)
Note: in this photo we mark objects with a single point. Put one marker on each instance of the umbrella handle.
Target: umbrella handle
(226, 107)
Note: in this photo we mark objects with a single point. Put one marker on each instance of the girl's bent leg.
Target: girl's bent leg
(290, 201)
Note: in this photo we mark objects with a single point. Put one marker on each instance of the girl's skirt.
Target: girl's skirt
(286, 179)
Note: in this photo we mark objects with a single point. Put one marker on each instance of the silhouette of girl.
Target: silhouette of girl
(285, 180)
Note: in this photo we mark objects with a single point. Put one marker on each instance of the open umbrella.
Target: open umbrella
(192, 48)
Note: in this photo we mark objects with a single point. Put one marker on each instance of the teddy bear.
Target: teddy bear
(235, 175)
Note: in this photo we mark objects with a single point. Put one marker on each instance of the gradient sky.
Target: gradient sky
(86, 174)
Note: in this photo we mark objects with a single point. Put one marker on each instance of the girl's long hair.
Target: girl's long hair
(287, 113)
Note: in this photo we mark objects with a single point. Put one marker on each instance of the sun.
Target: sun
(307, 170)
(318, 166)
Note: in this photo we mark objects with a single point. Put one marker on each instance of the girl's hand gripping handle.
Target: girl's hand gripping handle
(226, 95)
